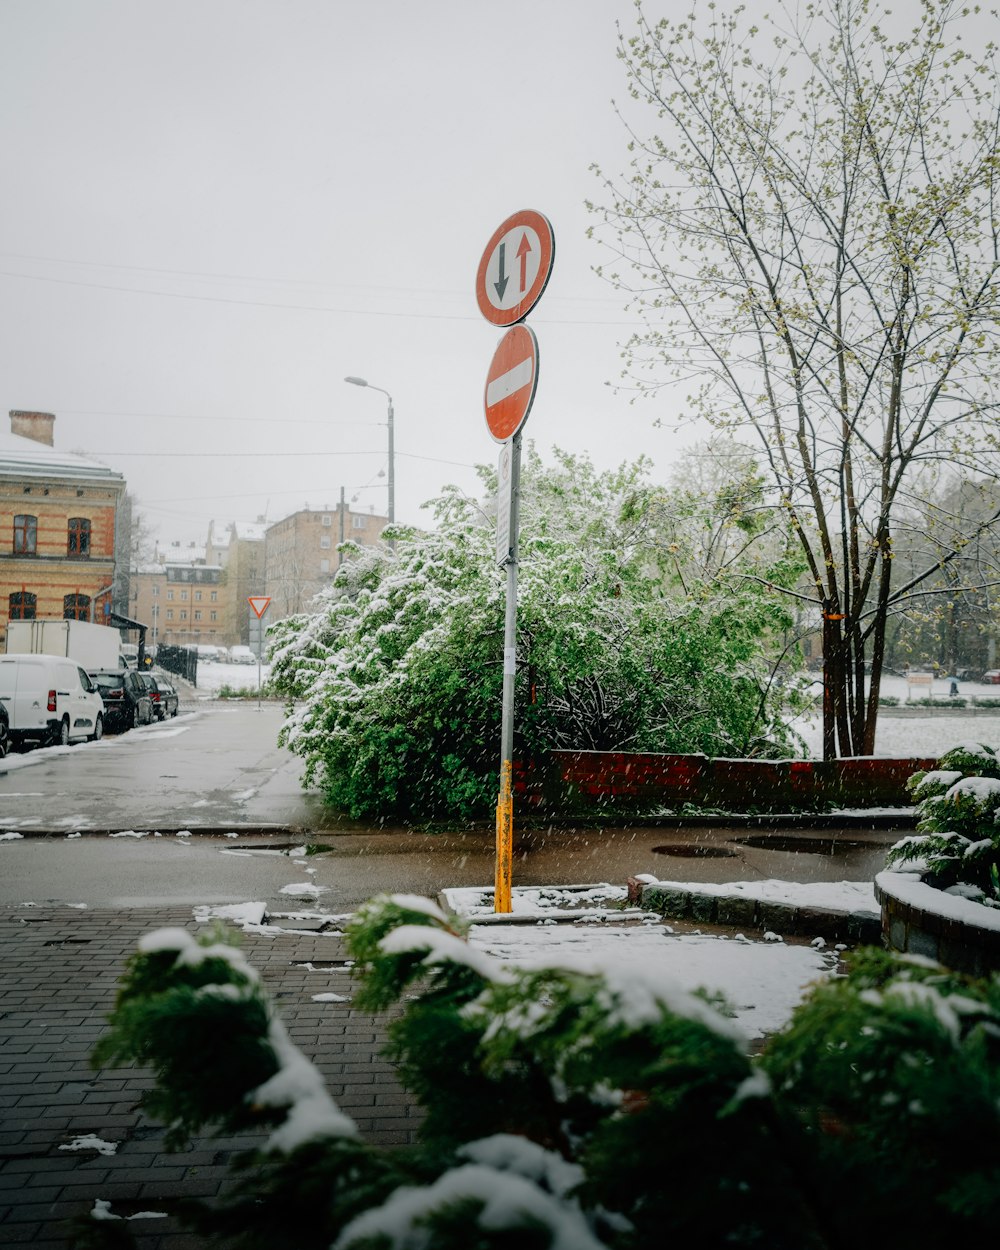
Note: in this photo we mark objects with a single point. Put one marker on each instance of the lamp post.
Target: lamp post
(392, 456)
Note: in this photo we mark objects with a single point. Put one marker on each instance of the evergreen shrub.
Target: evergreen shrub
(570, 1110)
(957, 846)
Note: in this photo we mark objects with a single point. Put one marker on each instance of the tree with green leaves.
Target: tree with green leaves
(396, 681)
(811, 236)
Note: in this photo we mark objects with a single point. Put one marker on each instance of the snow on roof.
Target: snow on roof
(248, 531)
(25, 458)
(183, 553)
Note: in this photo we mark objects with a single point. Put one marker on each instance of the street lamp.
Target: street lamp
(392, 456)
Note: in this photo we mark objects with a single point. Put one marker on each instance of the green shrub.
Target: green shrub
(567, 1110)
(958, 839)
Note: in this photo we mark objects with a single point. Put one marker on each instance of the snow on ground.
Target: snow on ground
(918, 737)
(213, 676)
(762, 979)
(762, 982)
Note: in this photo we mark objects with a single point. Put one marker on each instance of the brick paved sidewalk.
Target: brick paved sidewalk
(58, 982)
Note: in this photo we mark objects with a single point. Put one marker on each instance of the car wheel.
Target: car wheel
(98, 729)
(4, 739)
(62, 737)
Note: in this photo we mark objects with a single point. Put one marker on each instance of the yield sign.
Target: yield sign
(511, 382)
(515, 267)
(259, 604)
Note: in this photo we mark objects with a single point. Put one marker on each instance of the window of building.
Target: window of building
(184, 615)
(197, 596)
(23, 605)
(184, 596)
(213, 596)
(213, 616)
(197, 614)
(359, 522)
(324, 542)
(324, 566)
(156, 591)
(327, 521)
(78, 543)
(170, 594)
(25, 535)
(76, 607)
(170, 614)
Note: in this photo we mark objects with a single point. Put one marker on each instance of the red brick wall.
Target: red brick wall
(587, 779)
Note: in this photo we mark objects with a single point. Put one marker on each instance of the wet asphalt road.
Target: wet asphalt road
(218, 769)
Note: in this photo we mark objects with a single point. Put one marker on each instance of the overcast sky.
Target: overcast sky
(214, 212)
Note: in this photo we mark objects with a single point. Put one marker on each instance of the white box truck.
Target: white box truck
(93, 647)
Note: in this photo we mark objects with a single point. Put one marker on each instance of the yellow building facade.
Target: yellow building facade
(58, 515)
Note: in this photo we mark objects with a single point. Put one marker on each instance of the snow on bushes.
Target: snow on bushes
(958, 843)
(625, 642)
(567, 1110)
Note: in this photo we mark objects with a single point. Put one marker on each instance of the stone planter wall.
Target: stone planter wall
(921, 920)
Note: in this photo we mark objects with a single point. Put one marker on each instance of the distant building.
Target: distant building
(244, 569)
(301, 556)
(183, 601)
(58, 516)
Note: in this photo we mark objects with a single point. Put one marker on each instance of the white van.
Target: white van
(49, 699)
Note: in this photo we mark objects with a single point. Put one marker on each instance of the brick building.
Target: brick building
(58, 517)
(182, 599)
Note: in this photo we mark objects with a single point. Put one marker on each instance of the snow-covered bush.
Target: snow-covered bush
(958, 840)
(396, 679)
(572, 1111)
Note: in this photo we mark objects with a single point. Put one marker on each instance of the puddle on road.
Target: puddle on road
(291, 850)
(695, 850)
(813, 846)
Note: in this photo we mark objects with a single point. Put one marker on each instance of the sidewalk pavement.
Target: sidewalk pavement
(60, 971)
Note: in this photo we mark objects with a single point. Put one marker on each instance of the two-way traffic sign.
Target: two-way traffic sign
(515, 267)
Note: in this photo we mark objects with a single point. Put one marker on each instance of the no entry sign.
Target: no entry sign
(515, 267)
(511, 382)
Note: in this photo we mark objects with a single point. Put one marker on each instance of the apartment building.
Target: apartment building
(301, 556)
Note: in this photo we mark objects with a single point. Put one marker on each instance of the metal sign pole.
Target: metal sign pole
(505, 800)
(505, 299)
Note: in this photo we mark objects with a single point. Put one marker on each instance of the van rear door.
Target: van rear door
(23, 688)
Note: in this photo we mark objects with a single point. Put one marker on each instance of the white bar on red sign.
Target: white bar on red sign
(509, 382)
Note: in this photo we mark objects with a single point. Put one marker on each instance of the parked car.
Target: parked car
(241, 655)
(162, 694)
(126, 701)
(49, 699)
(992, 678)
(4, 731)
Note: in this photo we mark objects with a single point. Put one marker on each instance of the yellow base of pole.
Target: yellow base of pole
(505, 842)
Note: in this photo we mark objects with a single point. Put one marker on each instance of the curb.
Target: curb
(738, 911)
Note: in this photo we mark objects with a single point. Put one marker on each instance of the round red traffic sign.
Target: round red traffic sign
(511, 382)
(515, 267)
